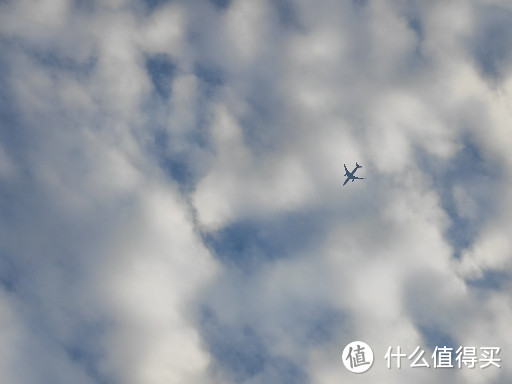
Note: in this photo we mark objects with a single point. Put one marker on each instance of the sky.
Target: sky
(171, 200)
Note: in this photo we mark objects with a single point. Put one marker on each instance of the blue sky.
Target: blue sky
(171, 200)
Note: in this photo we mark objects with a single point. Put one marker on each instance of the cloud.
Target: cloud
(172, 208)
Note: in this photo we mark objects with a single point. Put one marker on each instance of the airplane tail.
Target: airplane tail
(358, 166)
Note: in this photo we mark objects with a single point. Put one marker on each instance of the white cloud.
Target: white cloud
(163, 31)
(98, 235)
(275, 183)
(153, 272)
(245, 28)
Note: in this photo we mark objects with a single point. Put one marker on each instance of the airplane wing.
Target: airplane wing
(346, 170)
(359, 178)
(346, 181)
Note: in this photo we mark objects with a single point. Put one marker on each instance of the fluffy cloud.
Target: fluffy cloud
(172, 208)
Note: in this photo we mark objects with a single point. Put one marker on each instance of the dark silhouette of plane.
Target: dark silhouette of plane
(350, 175)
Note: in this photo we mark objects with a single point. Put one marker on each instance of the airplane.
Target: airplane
(350, 175)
